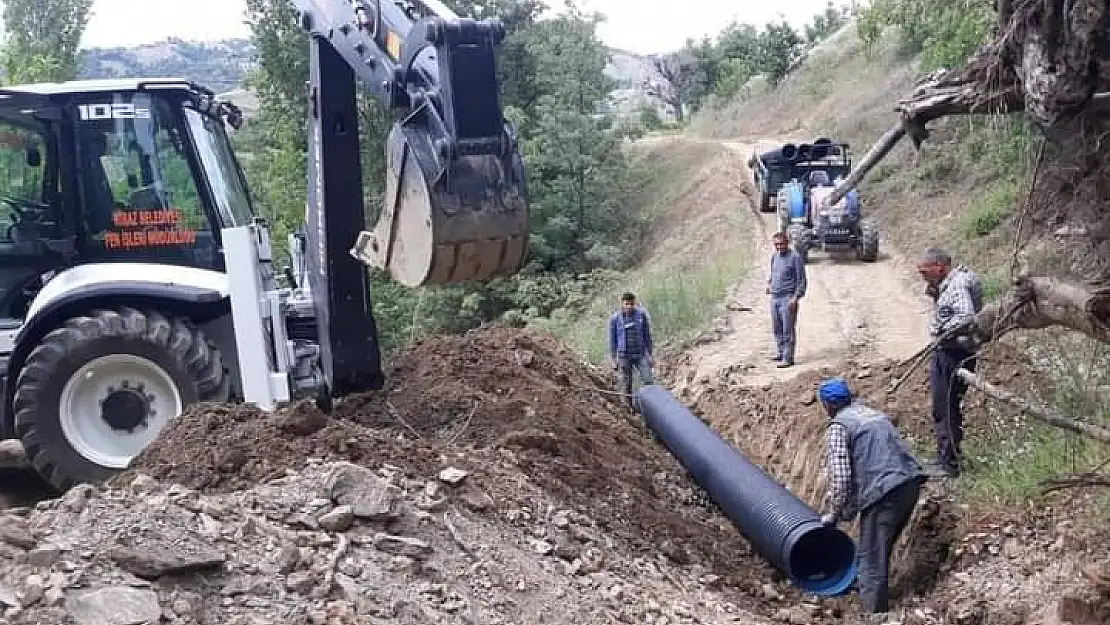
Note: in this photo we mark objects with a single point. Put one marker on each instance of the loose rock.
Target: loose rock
(152, 558)
(369, 496)
(114, 605)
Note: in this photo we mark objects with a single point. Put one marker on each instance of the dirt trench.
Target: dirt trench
(857, 320)
(862, 321)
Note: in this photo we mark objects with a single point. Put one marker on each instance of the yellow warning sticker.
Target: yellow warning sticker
(393, 45)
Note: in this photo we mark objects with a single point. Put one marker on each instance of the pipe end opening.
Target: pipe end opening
(823, 561)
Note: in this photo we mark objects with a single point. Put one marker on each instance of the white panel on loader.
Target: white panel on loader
(251, 313)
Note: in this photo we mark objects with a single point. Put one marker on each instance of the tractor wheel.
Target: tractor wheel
(767, 202)
(98, 389)
(869, 242)
(798, 241)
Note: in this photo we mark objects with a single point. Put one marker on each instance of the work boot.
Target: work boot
(784, 364)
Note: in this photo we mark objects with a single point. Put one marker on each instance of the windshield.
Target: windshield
(228, 187)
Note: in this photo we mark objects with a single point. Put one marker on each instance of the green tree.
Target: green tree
(682, 71)
(577, 166)
(779, 45)
(739, 58)
(706, 71)
(574, 157)
(826, 23)
(42, 39)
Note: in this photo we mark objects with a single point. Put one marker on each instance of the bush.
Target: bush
(990, 212)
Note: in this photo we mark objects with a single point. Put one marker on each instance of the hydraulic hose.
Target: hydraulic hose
(816, 558)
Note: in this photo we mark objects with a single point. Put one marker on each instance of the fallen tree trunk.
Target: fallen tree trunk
(1039, 302)
(877, 152)
(1043, 415)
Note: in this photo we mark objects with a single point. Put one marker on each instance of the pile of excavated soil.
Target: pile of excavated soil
(512, 407)
(220, 448)
(1044, 566)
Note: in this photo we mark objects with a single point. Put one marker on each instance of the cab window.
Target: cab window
(140, 197)
(22, 174)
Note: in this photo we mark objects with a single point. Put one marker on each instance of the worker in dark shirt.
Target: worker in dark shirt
(630, 345)
(786, 285)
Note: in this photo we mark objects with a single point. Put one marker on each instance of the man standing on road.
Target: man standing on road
(958, 294)
(787, 286)
(871, 471)
(630, 345)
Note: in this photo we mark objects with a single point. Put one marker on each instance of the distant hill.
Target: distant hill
(220, 65)
(638, 83)
(223, 65)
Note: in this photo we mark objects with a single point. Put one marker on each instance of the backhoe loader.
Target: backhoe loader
(136, 278)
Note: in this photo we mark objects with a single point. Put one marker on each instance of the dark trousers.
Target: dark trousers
(947, 392)
(629, 366)
(784, 323)
(880, 525)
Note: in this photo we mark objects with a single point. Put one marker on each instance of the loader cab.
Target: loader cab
(112, 171)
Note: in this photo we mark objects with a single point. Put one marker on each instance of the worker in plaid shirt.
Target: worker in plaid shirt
(958, 294)
(871, 472)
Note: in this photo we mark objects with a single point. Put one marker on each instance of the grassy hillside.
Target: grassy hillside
(696, 247)
(964, 192)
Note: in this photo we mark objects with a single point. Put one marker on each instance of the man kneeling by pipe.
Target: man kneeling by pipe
(871, 470)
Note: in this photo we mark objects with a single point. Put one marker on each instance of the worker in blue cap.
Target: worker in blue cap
(871, 472)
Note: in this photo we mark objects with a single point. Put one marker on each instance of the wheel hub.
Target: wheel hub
(128, 407)
(115, 405)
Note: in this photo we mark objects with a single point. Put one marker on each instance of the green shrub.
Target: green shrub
(990, 211)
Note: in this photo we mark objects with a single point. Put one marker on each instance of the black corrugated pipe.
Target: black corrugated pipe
(781, 527)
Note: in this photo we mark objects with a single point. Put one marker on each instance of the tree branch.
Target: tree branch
(1043, 415)
(885, 144)
(1035, 303)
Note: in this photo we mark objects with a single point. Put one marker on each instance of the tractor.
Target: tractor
(815, 170)
(774, 168)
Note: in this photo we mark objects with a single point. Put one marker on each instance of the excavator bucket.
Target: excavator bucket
(464, 222)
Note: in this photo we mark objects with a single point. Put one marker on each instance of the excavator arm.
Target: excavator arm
(455, 206)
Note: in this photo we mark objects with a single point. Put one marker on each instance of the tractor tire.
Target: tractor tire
(99, 388)
(799, 241)
(869, 242)
(767, 202)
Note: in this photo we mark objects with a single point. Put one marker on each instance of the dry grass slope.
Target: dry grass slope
(695, 248)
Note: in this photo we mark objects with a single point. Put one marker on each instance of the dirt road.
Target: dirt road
(852, 309)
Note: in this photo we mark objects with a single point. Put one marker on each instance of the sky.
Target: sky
(641, 26)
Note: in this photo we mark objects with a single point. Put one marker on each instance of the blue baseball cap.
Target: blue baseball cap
(835, 391)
